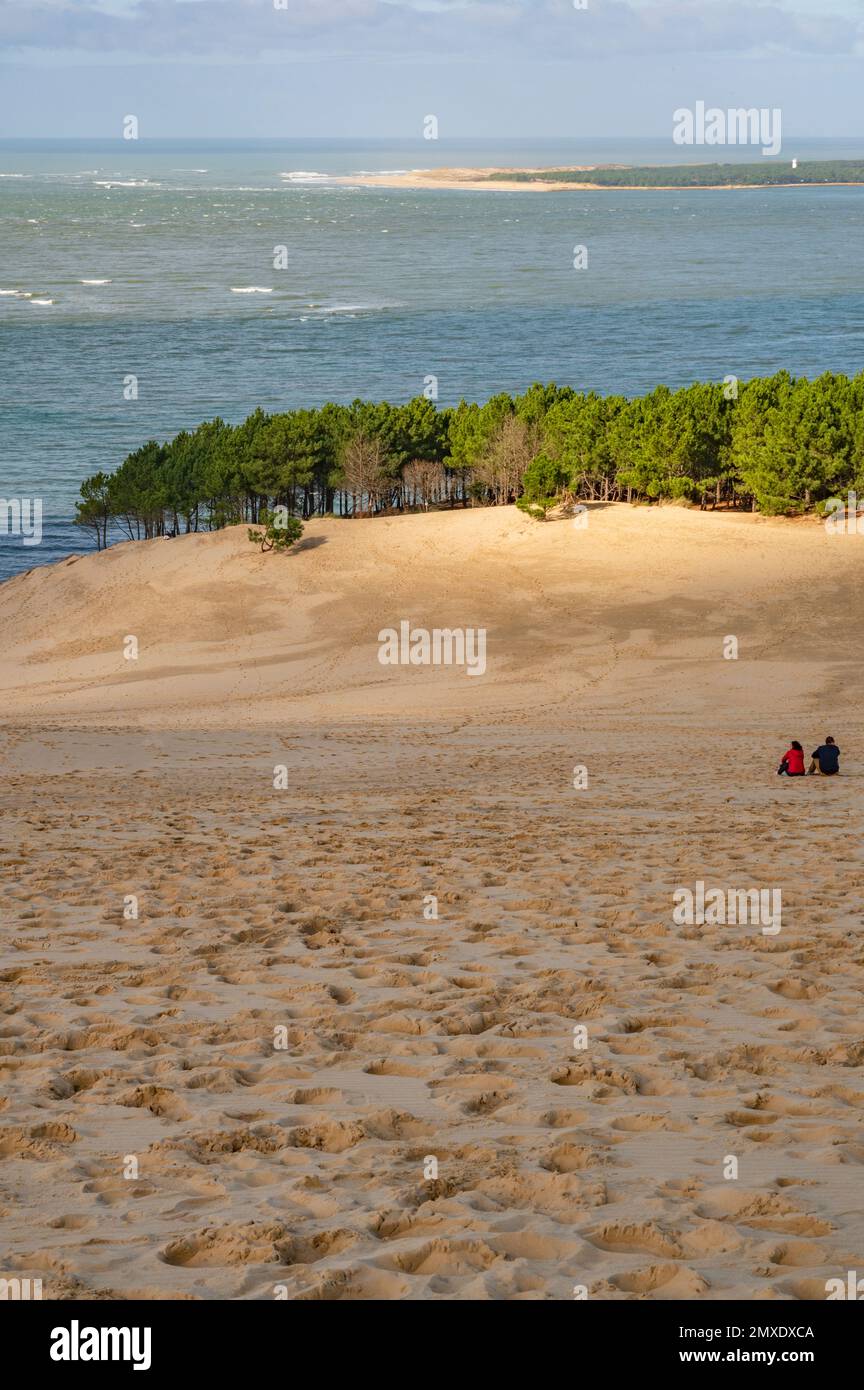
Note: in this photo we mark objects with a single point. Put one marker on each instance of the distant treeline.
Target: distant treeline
(772, 444)
(694, 175)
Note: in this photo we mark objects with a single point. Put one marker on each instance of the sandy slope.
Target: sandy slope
(638, 601)
(301, 909)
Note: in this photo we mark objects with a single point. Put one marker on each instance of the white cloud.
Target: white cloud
(229, 29)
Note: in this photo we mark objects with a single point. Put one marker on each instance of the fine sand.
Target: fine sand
(472, 180)
(479, 181)
(237, 1093)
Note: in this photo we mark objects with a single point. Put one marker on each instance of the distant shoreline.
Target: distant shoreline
(685, 177)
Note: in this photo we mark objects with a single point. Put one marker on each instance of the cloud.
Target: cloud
(429, 29)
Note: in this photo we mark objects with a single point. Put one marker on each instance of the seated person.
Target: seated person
(793, 761)
(825, 759)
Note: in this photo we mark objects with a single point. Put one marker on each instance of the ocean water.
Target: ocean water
(155, 260)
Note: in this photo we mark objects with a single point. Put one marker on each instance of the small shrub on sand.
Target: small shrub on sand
(279, 530)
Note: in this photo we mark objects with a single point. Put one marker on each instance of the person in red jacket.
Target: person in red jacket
(793, 761)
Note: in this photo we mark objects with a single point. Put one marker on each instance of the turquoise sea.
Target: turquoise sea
(155, 260)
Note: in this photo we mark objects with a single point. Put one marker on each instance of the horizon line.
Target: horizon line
(413, 139)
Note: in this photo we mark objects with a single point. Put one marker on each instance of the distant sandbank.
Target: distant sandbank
(497, 180)
(471, 179)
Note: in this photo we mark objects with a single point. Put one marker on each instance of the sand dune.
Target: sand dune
(228, 636)
(281, 1040)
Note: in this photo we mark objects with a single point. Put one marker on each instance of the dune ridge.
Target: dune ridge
(229, 636)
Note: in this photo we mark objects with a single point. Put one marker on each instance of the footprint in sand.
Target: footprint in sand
(667, 1281)
(644, 1239)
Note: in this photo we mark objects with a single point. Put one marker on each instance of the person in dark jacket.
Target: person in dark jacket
(825, 759)
(793, 761)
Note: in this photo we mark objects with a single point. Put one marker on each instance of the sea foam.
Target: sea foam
(305, 176)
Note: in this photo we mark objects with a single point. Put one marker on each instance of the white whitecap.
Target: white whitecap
(350, 308)
(250, 289)
(41, 301)
(95, 282)
(305, 176)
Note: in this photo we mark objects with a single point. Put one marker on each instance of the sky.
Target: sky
(377, 68)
